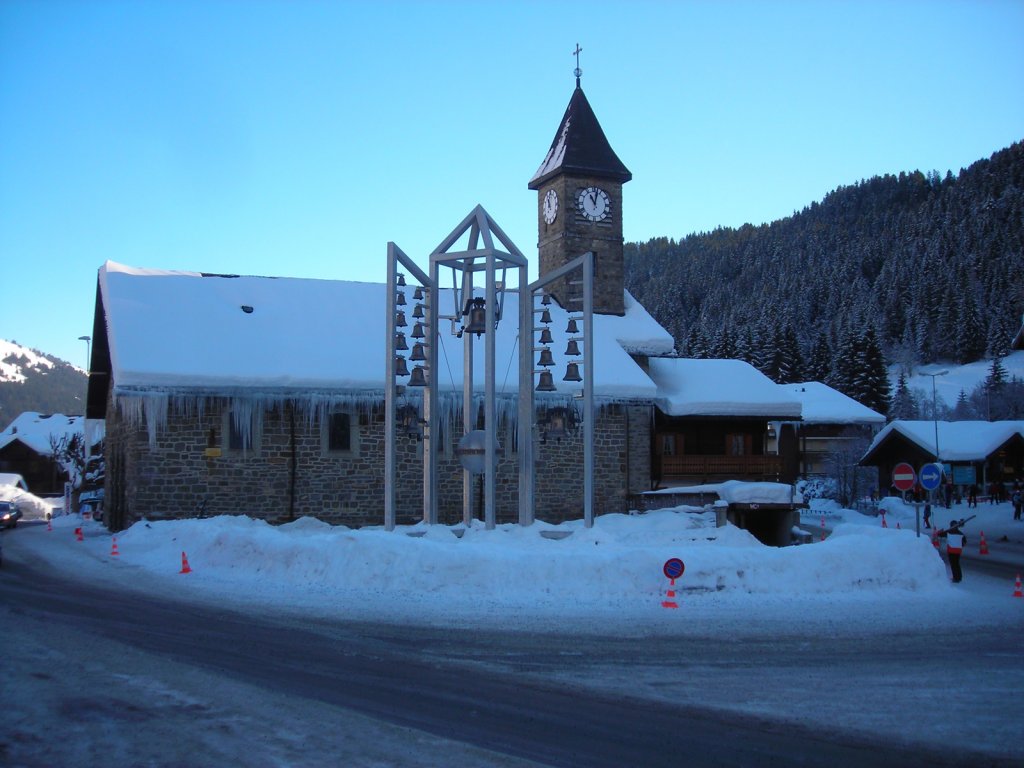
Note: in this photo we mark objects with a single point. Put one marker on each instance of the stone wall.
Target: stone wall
(288, 472)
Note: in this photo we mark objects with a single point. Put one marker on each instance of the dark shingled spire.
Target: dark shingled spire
(580, 147)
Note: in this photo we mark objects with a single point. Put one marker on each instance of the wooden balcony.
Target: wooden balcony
(717, 468)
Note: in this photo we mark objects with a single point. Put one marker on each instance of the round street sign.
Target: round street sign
(931, 476)
(903, 476)
(673, 568)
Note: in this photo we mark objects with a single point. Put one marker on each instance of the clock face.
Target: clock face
(593, 203)
(550, 206)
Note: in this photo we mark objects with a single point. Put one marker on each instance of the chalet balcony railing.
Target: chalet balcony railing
(722, 467)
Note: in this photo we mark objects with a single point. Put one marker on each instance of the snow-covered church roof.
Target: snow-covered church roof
(958, 440)
(186, 332)
(697, 387)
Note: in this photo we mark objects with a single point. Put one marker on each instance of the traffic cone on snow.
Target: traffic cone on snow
(184, 564)
(1016, 589)
(670, 596)
(113, 547)
(49, 524)
(78, 535)
(884, 524)
(983, 546)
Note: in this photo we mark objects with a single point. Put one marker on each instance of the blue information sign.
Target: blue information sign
(930, 476)
(674, 568)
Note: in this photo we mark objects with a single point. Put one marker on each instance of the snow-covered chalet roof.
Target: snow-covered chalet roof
(958, 440)
(823, 405)
(186, 332)
(34, 430)
(692, 387)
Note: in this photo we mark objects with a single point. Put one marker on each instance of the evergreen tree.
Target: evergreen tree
(904, 404)
(819, 366)
(872, 376)
(963, 411)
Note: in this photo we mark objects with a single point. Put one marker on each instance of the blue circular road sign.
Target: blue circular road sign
(930, 476)
(674, 568)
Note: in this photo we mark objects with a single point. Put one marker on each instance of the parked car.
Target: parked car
(9, 514)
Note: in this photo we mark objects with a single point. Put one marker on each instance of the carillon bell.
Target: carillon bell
(400, 345)
(545, 336)
(418, 293)
(417, 331)
(545, 317)
(477, 316)
(545, 358)
(400, 367)
(400, 299)
(546, 300)
(417, 311)
(417, 355)
(400, 320)
(571, 328)
(401, 279)
(572, 349)
(419, 377)
(546, 383)
(572, 373)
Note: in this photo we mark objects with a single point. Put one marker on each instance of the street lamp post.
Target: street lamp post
(88, 352)
(935, 413)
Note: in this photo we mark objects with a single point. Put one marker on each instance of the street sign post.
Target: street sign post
(931, 476)
(903, 477)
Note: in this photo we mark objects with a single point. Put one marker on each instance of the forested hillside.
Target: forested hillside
(913, 268)
(33, 381)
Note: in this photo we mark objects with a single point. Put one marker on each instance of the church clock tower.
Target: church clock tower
(579, 205)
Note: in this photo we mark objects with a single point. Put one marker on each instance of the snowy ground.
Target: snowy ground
(862, 580)
(610, 575)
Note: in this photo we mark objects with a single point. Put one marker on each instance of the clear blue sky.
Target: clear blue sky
(298, 138)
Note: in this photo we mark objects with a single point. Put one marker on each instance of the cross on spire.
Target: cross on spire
(577, 71)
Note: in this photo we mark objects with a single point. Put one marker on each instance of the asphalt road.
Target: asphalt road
(508, 694)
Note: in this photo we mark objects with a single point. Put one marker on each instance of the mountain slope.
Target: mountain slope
(33, 381)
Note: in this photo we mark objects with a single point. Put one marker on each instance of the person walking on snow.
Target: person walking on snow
(1018, 503)
(955, 542)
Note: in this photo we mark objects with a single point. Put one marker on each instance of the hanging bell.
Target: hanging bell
(572, 373)
(572, 349)
(545, 317)
(400, 320)
(477, 316)
(400, 367)
(545, 358)
(400, 299)
(546, 383)
(419, 377)
(545, 336)
(401, 279)
(418, 293)
(417, 331)
(400, 345)
(417, 355)
(417, 311)
(572, 329)
(546, 300)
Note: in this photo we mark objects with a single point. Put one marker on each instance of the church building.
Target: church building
(226, 394)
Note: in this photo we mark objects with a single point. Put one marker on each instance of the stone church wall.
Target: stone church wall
(180, 478)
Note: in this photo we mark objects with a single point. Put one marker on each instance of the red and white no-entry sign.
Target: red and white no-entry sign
(903, 476)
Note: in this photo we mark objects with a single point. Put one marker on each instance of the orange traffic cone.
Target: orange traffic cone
(670, 596)
(1016, 589)
(983, 547)
(884, 524)
(184, 564)
(78, 535)
(113, 547)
